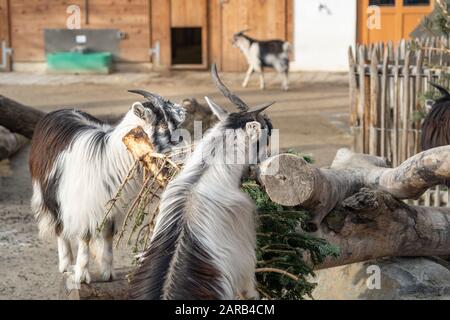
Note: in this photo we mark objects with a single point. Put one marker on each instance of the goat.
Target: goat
(203, 245)
(436, 126)
(260, 54)
(77, 163)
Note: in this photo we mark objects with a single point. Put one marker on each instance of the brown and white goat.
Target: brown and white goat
(261, 54)
(77, 163)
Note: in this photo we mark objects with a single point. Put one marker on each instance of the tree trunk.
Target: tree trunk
(18, 118)
(355, 204)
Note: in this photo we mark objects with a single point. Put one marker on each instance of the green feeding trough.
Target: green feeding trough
(76, 62)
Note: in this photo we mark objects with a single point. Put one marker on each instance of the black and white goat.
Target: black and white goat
(77, 163)
(260, 54)
(203, 246)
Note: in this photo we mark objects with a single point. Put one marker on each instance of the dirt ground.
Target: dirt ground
(312, 118)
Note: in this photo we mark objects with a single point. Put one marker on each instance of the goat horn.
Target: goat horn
(152, 97)
(241, 105)
(242, 31)
(441, 89)
(157, 100)
(258, 109)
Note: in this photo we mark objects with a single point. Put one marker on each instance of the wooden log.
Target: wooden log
(372, 224)
(10, 143)
(18, 118)
(22, 119)
(356, 203)
(96, 290)
(297, 183)
(139, 145)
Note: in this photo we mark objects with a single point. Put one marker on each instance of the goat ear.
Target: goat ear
(139, 110)
(220, 113)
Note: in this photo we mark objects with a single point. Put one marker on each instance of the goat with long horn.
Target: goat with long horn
(77, 163)
(203, 245)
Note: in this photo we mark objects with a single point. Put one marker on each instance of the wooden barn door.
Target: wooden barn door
(180, 28)
(398, 18)
(5, 34)
(266, 19)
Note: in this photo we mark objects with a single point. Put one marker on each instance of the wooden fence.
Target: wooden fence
(387, 88)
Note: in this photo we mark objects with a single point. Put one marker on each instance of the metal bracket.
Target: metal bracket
(156, 54)
(4, 54)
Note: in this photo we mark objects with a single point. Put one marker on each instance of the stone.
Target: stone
(387, 279)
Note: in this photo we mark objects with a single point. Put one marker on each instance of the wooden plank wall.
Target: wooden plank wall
(147, 21)
(131, 17)
(188, 13)
(30, 18)
(160, 29)
(215, 27)
(192, 13)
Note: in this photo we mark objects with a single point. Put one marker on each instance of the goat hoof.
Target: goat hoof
(82, 276)
(108, 275)
(64, 266)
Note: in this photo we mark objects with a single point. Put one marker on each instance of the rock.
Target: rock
(388, 279)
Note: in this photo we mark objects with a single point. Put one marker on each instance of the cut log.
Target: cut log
(291, 181)
(18, 118)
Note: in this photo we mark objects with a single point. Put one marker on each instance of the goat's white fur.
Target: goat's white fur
(220, 216)
(83, 196)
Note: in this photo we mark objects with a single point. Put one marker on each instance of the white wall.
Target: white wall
(322, 38)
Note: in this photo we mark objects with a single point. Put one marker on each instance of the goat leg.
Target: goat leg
(262, 84)
(82, 264)
(64, 254)
(247, 77)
